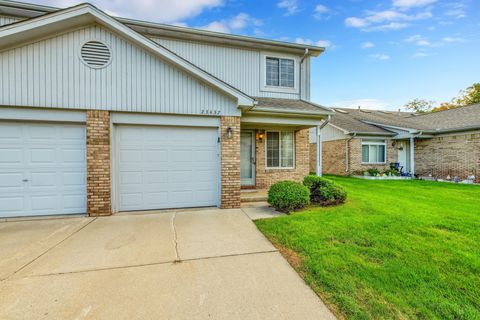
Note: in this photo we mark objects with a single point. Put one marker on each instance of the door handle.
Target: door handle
(25, 180)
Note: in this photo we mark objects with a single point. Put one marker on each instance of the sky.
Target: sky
(379, 54)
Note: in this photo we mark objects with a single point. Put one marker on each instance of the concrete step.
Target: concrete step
(253, 196)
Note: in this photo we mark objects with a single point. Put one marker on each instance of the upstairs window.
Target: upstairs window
(374, 151)
(280, 149)
(280, 72)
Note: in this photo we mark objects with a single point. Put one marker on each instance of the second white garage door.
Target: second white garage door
(163, 167)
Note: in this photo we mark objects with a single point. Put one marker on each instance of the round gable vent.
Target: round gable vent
(96, 54)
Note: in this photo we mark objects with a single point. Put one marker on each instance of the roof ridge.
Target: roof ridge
(451, 109)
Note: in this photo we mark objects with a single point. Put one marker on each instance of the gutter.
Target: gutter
(347, 151)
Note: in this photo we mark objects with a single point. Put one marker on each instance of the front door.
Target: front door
(403, 155)
(247, 158)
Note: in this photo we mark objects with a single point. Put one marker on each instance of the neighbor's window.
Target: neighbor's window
(374, 151)
(280, 149)
(280, 72)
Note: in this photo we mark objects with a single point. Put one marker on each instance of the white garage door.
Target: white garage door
(42, 169)
(167, 167)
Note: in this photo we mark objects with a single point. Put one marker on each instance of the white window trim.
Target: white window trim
(263, 73)
(371, 143)
(279, 150)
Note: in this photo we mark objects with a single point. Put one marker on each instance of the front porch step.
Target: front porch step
(253, 196)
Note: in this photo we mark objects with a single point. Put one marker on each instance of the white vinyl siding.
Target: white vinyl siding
(374, 151)
(280, 151)
(4, 20)
(50, 73)
(240, 67)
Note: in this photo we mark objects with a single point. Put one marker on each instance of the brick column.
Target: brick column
(230, 163)
(98, 163)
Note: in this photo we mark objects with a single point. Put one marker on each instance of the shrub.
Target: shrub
(373, 172)
(323, 191)
(391, 172)
(286, 196)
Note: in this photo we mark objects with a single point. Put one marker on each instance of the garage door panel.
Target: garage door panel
(45, 169)
(11, 155)
(173, 164)
(11, 204)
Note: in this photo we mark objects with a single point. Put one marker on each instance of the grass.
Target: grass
(394, 250)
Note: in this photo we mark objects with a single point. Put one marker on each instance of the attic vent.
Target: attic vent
(341, 111)
(96, 54)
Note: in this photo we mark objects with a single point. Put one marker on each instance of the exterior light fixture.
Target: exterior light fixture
(229, 133)
(260, 136)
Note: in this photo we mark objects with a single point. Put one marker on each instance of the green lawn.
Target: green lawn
(395, 250)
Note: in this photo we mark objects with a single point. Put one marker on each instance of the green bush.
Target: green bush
(373, 172)
(323, 191)
(286, 196)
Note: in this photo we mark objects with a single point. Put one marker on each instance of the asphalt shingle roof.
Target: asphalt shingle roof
(290, 105)
(359, 120)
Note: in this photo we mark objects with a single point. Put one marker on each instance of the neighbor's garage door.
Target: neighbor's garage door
(167, 167)
(42, 169)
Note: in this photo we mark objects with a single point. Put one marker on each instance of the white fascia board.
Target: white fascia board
(89, 12)
(276, 120)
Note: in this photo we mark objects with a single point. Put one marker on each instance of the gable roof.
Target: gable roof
(385, 122)
(29, 10)
(82, 14)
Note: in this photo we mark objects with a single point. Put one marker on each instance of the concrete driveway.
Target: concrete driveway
(187, 264)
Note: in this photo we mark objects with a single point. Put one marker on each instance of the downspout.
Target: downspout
(319, 145)
(305, 54)
(347, 155)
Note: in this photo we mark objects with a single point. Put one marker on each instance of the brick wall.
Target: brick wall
(334, 157)
(266, 177)
(98, 163)
(230, 163)
(355, 157)
(454, 155)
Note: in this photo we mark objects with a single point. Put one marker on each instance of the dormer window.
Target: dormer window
(280, 72)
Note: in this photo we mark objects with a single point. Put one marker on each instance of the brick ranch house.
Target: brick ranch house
(438, 144)
(101, 114)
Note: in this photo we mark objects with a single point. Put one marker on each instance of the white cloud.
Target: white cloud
(385, 20)
(457, 10)
(380, 56)
(356, 22)
(367, 45)
(320, 8)
(388, 27)
(420, 54)
(407, 4)
(236, 23)
(371, 104)
(453, 40)
(166, 11)
(418, 40)
(319, 43)
(291, 6)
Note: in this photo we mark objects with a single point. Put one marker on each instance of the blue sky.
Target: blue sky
(380, 54)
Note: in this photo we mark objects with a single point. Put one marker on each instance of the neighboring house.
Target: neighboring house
(102, 114)
(438, 144)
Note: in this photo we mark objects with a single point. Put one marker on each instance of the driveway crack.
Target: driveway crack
(175, 242)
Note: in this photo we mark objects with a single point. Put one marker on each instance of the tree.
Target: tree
(469, 96)
(445, 106)
(419, 105)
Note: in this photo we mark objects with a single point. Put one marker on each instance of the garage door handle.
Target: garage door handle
(25, 180)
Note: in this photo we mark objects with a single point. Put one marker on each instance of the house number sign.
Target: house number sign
(210, 111)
